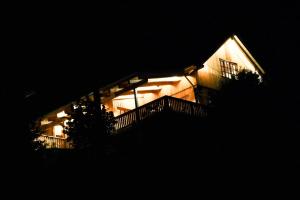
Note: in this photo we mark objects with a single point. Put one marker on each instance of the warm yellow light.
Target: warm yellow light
(131, 96)
(167, 79)
(205, 67)
(248, 53)
(148, 88)
(115, 89)
(239, 55)
(58, 130)
(136, 80)
(45, 122)
(61, 114)
(66, 122)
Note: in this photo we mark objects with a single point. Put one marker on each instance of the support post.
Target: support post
(135, 98)
(136, 105)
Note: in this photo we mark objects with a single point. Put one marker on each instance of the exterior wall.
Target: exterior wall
(176, 88)
(48, 130)
(210, 74)
(187, 94)
(180, 89)
(147, 97)
(121, 105)
(109, 105)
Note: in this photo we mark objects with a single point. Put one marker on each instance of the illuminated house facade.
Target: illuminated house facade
(138, 96)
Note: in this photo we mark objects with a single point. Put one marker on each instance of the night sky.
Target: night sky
(65, 50)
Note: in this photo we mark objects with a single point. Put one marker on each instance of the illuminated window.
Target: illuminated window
(58, 131)
(228, 69)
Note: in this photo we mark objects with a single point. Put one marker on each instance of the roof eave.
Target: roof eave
(248, 54)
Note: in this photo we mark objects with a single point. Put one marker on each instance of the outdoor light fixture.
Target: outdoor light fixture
(148, 88)
(168, 79)
(61, 114)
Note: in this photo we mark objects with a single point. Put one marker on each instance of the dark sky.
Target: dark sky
(76, 46)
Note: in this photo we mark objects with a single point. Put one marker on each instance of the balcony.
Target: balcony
(132, 117)
(55, 142)
(162, 104)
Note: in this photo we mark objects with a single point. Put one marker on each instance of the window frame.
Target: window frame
(228, 69)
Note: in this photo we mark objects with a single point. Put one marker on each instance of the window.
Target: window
(58, 131)
(228, 69)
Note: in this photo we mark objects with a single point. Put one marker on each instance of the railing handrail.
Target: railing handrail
(133, 116)
(55, 142)
(153, 102)
(160, 104)
(50, 136)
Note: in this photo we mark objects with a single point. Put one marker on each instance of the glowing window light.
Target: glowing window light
(167, 79)
(58, 130)
(61, 114)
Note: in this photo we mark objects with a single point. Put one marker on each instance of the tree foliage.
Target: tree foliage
(247, 91)
(34, 132)
(89, 126)
(243, 113)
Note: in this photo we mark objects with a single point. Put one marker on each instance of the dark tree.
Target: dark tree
(20, 150)
(244, 119)
(34, 131)
(89, 127)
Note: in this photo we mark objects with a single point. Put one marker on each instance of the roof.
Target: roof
(249, 55)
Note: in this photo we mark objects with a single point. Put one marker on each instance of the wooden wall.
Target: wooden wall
(180, 89)
(210, 75)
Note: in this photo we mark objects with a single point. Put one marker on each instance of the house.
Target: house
(139, 96)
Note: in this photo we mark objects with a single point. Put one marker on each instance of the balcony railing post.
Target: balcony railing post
(137, 113)
(166, 103)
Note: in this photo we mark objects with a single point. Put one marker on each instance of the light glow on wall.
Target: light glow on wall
(58, 130)
(239, 56)
(131, 96)
(204, 68)
(45, 122)
(148, 88)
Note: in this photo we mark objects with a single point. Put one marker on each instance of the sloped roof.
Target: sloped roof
(249, 55)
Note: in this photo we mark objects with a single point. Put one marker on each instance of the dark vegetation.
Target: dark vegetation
(242, 133)
(247, 135)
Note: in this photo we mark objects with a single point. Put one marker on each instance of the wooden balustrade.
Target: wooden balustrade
(159, 105)
(55, 142)
(131, 117)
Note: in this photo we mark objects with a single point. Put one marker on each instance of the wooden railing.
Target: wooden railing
(55, 142)
(131, 117)
(162, 104)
